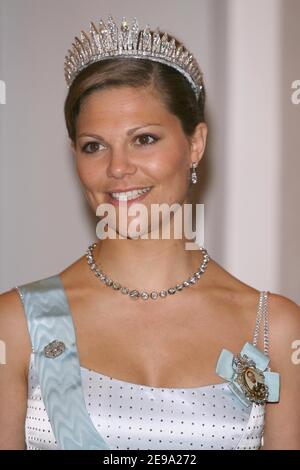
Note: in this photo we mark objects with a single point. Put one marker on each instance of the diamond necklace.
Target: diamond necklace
(134, 293)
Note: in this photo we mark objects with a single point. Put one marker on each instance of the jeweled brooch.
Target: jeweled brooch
(250, 379)
(248, 374)
(54, 349)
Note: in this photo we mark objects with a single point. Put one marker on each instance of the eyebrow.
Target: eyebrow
(129, 132)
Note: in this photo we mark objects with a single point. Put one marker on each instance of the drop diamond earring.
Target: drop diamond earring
(194, 174)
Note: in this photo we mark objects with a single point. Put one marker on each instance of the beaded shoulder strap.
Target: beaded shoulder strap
(262, 315)
(248, 372)
(57, 364)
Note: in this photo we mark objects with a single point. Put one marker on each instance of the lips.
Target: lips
(124, 190)
(117, 202)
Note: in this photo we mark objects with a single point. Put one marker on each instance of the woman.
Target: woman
(144, 352)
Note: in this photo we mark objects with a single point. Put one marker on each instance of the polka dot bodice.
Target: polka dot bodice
(132, 416)
(89, 410)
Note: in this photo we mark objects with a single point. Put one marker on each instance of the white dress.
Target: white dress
(133, 416)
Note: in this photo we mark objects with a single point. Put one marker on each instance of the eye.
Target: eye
(146, 139)
(93, 146)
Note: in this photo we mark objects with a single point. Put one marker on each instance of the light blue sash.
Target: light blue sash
(49, 318)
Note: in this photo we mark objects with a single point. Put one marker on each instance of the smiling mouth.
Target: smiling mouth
(130, 195)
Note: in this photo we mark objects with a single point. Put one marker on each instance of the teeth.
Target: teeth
(126, 196)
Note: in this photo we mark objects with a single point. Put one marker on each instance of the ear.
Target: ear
(198, 142)
(73, 146)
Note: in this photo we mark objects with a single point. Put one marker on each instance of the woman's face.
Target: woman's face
(126, 138)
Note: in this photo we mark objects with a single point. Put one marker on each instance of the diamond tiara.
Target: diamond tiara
(109, 41)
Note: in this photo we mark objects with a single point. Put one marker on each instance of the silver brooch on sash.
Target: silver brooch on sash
(54, 349)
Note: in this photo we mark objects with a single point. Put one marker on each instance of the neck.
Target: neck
(147, 264)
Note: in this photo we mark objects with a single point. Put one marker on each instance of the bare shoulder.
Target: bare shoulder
(242, 300)
(284, 321)
(13, 327)
(282, 429)
(232, 294)
(282, 419)
(16, 348)
(283, 308)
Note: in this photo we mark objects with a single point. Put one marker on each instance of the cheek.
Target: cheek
(87, 172)
(171, 162)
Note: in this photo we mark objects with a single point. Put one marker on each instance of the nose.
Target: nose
(120, 164)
